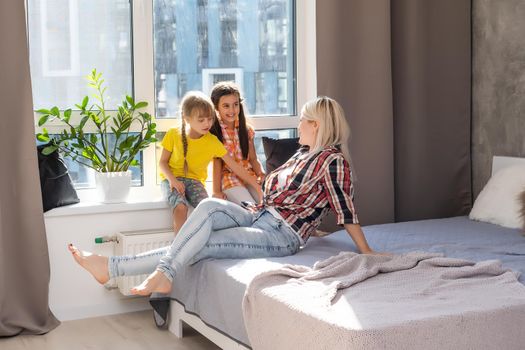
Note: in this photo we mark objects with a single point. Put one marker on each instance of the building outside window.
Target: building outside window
(198, 43)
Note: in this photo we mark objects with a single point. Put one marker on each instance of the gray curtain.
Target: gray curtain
(353, 67)
(401, 70)
(24, 260)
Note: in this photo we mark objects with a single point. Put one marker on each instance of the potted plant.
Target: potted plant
(111, 145)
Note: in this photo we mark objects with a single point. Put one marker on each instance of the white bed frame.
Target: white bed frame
(178, 316)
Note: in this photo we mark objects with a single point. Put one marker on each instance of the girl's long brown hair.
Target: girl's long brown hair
(226, 88)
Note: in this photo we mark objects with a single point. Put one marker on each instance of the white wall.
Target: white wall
(73, 293)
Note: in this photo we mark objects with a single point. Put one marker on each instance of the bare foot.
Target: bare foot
(96, 265)
(157, 282)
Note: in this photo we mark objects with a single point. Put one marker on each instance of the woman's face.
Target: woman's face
(228, 109)
(307, 131)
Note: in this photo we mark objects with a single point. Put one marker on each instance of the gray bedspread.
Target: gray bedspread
(214, 289)
(406, 301)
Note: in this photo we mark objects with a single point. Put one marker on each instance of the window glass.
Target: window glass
(84, 177)
(200, 42)
(69, 38)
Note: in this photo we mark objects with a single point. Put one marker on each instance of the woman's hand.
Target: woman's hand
(373, 252)
(354, 230)
(370, 251)
(219, 195)
(178, 186)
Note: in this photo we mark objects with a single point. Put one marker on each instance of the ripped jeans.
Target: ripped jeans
(215, 229)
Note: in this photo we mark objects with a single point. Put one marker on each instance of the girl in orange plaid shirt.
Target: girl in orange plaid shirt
(231, 128)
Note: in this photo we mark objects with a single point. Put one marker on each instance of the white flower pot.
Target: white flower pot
(113, 187)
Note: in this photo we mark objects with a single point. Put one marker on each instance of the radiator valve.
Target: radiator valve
(106, 239)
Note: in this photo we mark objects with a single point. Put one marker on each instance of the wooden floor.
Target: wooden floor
(132, 331)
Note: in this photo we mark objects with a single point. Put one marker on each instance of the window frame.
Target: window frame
(143, 74)
(73, 34)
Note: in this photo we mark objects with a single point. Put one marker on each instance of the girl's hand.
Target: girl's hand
(219, 195)
(243, 174)
(260, 178)
(178, 186)
(254, 183)
(259, 193)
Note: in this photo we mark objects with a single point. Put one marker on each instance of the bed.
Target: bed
(208, 296)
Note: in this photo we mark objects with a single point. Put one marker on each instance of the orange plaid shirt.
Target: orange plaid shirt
(230, 138)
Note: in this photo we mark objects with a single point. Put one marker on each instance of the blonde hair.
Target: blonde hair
(333, 127)
(194, 103)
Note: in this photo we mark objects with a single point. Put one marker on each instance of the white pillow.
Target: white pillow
(498, 202)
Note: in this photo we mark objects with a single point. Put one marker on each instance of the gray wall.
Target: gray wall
(498, 96)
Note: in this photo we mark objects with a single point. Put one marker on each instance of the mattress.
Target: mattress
(214, 289)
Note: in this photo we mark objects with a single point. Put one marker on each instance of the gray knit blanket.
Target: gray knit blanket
(411, 301)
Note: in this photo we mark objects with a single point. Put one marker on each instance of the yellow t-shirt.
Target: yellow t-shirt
(200, 153)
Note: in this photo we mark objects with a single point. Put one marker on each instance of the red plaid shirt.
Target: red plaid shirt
(318, 182)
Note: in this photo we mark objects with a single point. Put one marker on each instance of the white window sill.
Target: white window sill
(140, 198)
(88, 208)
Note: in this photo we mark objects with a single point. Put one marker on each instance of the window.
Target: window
(198, 43)
(68, 38)
(157, 50)
(211, 76)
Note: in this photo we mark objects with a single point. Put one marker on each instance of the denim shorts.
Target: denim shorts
(193, 195)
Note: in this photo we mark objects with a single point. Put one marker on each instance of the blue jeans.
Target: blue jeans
(216, 229)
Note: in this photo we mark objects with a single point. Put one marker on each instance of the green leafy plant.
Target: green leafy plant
(115, 140)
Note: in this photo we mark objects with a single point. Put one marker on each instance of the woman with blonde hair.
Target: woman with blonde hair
(296, 196)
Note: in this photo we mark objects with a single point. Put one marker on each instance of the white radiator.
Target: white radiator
(135, 242)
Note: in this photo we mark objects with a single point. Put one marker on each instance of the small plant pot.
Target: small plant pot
(113, 187)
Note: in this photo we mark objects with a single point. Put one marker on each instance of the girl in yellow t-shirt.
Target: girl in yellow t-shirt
(186, 153)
